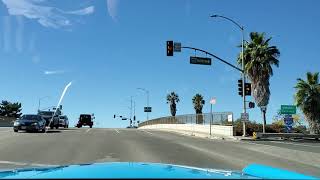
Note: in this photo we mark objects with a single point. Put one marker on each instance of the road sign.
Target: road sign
(288, 109)
(200, 60)
(288, 121)
(147, 109)
(177, 47)
(244, 116)
(213, 101)
(230, 118)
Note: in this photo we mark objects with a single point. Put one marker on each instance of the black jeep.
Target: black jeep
(85, 120)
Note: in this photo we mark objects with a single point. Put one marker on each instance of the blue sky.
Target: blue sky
(108, 48)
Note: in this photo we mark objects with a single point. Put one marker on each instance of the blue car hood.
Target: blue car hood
(130, 170)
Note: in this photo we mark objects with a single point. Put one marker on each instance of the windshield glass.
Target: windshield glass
(213, 84)
(46, 113)
(31, 117)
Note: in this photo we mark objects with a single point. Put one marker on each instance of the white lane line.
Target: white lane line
(147, 132)
(88, 130)
(24, 163)
(117, 131)
(7, 131)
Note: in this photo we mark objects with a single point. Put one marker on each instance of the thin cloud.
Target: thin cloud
(19, 33)
(112, 6)
(85, 11)
(6, 34)
(53, 72)
(47, 16)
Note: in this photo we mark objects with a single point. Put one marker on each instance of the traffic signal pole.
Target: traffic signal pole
(243, 81)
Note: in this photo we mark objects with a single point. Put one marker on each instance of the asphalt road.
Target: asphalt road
(74, 146)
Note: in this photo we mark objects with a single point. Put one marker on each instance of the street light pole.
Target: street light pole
(147, 92)
(243, 68)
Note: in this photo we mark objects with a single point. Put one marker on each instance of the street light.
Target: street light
(243, 70)
(147, 92)
(40, 101)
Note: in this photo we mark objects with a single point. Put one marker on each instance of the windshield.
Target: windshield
(213, 84)
(31, 117)
(46, 113)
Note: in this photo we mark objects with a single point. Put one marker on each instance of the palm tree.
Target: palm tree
(173, 98)
(259, 57)
(198, 103)
(307, 98)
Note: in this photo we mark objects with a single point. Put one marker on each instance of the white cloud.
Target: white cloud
(112, 6)
(85, 11)
(47, 16)
(53, 72)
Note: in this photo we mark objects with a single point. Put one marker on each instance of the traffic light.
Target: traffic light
(169, 48)
(114, 116)
(130, 121)
(134, 118)
(240, 87)
(251, 104)
(247, 88)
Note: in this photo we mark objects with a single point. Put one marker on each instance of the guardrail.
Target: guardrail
(217, 118)
(6, 121)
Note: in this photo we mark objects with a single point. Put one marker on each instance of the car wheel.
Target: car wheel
(15, 130)
(90, 126)
(43, 130)
(51, 127)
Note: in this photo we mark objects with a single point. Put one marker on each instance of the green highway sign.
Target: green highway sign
(200, 60)
(288, 109)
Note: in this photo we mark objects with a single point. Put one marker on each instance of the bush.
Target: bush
(270, 128)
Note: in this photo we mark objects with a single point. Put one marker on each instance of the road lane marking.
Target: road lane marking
(117, 131)
(147, 132)
(87, 130)
(7, 131)
(24, 163)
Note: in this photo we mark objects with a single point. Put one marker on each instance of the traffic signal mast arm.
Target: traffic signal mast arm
(235, 67)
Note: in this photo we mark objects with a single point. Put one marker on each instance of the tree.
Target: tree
(307, 98)
(10, 109)
(198, 103)
(259, 58)
(173, 98)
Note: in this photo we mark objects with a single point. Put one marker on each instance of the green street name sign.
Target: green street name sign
(288, 109)
(200, 60)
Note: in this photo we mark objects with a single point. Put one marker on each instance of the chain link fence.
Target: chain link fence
(217, 118)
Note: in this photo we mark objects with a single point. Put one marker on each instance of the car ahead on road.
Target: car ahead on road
(30, 122)
(63, 121)
(52, 122)
(136, 170)
(85, 120)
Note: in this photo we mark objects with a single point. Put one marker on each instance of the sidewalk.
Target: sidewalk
(202, 135)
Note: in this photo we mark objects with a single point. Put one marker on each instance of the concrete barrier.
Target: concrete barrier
(6, 121)
(193, 128)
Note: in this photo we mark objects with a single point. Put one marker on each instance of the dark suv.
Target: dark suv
(85, 120)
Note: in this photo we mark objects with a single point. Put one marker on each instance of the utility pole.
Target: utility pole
(242, 63)
(130, 110)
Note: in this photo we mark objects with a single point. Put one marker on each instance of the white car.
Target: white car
(63, 121)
